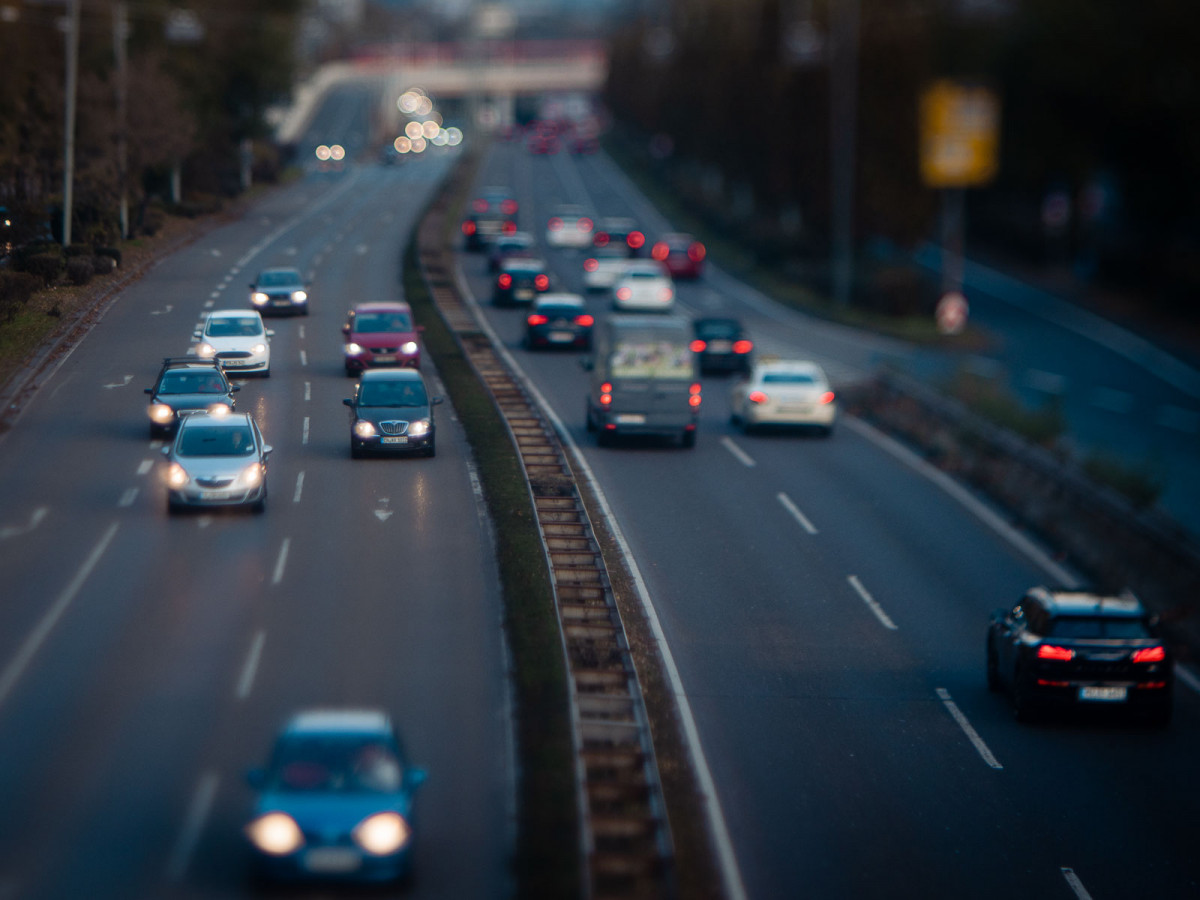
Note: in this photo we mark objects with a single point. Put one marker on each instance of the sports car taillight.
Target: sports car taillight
(827, 397)
(1150, 654)
(1059, 654)
(757, 397)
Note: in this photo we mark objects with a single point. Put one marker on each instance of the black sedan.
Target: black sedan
(280, 291)
(1076, 648)
(519, 281)
(722, 345)
(391, 412)
(185, 385)
(559, 320)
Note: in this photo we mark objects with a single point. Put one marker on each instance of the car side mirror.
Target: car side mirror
(270, 332)
(148, 391)
(166, 451)
(434, 401)
(346, 328)
(348, 402)
(234, 388)
(267, 448)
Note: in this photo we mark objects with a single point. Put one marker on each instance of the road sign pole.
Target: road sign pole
(953, 238)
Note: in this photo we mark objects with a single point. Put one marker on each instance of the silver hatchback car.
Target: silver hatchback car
(217, 459)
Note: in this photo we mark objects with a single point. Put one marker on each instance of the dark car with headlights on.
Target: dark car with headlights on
(217, 459)
(1078, 649)
(380, 334)
(519, 281)
(722, 344)
(335, 800)
(186, 385)
(391, 411)
(559, 320)
(279, 292)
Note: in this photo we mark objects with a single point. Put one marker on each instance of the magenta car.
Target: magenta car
(380, 334)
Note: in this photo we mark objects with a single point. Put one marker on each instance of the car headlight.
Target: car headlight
(382, 833)
(364, 429)
(352, 349)
(259, 298)
(275, 833)
(205, 349)
(219, 409)
(252, 475)
(161, 413)
(299, 296)
(177, 475)
(259, 348)
(419, 428)
(408, 347)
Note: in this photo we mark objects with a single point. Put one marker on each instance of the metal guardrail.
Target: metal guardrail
(626, 837)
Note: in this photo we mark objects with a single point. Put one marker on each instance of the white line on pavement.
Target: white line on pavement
(15, 669)
(308, 390)
(246, 682)
(128, 497)
(871, 604)
(796, 514)
(299, 487)
(145, 466)
(193, 824)
(1076, 885)
(972, 735)
(304, 437)
(303, 357)
(281, 562)
(739, 454)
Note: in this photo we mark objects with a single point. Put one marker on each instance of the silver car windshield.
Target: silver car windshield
(233, 441)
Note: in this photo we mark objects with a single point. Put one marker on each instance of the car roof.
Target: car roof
(192, 362)
(559, 299)
(233, 314)
(391, 375)
(1086, 603)
(677, 237)
(788, 365)
(382, 306)
(616, 223)
(515, 237)
(279, 270)
(339, 721)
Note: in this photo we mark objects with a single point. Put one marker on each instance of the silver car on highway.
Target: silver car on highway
(217, 459)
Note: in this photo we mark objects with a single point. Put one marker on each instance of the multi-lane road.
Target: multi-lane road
(824, 603)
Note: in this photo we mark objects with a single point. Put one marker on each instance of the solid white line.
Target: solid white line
(1058, 574)
(246, 682)
(128, 497)
(304, 438)
(301, 330)
(1076, 885)
(972, 735)
(281, 562)
(796, 514)
(739, 454)
(15, 669)
(303, 357)
(299, 488)
(308, 390)
(145, 466)
(871, 604)
(193, 825)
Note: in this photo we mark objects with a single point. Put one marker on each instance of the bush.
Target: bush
(79, 270)
(74, 251)
(49, 267)
(15, 290)
(1139, 484)
(113, 252)
(103, 265)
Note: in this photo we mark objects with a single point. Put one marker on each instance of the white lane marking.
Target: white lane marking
(128, 378)
(477, 491)
(145, 466)
(281, 562)
(250, 668)
(193, 825)
(795, 512)
(304, 436)
(972, 735)
(383, 513)
(301, 330)
(162, 312)
(362, 249)
(1058, 574)
(128, 497)
(308, 390)
(208, 304)
(871, 604)
(213, 295)
(304, 357)
(1076, 885)
(299, 487)
(738, 453)
(16, 668)
(204, 521)
(35, 519)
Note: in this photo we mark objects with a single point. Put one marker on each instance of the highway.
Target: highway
(826, 605)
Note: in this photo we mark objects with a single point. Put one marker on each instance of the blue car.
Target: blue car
(335, 801)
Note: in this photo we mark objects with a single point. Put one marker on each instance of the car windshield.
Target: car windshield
(788, 378)
(1098, 627)
(381, 322)
(191, 383)
(242, 326)
(560, 311)
(278, 279)
(334, 764)
(391, 393)
(716, 329)
(232, 440)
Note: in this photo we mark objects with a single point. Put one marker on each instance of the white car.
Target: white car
(644, 286)
(238, 339)
(784, 392)
(569, 226)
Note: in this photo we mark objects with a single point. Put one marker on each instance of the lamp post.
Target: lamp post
(843, 103)
(69, 129)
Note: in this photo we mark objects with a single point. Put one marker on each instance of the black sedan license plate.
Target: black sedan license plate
(1103, 693)
(394, 440)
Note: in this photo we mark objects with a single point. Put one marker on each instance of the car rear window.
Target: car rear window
(1098, 627)
(788, 378)
(711, 330)
(231, 441)
(652, 359)
(378, 323)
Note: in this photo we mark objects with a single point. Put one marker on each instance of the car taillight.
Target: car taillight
(1061, 654)
(827, 397)
(479, 206)
(742, 346)
(624, 293)
(601, 239)
(505, 280)
(541, 282)
(696, 252)
(556, 224)
(694, 394)
(757, 397)
(606, 388)
(660, 251)
(697, 346)
(585, 320)
(468, 227)
(510, 228)
(536, 319)
(584, 224)
(635, 240)
(509, 207)
(606, 393)
(1150, 654)
(666, 294)
(590, 265)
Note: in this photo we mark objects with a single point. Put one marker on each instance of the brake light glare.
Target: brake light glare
(624, 293)
(505, 280)
(537, 319)
(584, 224)
(468, 227)
(601, 239)
(509, 207)
(510, 228)
(479, 205)
(1059, 654)
(742, 346)
(697, 346)
(1150, 654)
(590, 265)
(585, 320)
(606, 393)
(696, 252)
(694, 394)
(541, 282)
(660, 251)
(757, 397)
(556, 224)
(827, 397)
(635, 240)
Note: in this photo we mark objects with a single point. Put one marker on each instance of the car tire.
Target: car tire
(993, 667)
(174, 508)
(350, 373)
(431, 450)
(266, 373)
(356, 452)
(259, 506)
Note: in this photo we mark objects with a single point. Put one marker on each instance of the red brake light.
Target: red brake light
(624, 293)
(742, 346)
(479, 205)
(1061, 654)
(696, 252)
(468, 227)
(585, 320)
(556, 223)
(697, 346)
(635, 239)
(537, 319)
(584, 224)
(509, 207)
(827, 397)
(590, 265)
(1150, 654)
(661, 251)
(694, 389)
(666, 294)
(510, 227)
(757, 397)
(542, 282)
(606, 388)
(601, 239)
(505, 280)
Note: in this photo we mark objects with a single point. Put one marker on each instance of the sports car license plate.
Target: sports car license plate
(394, 440)
(1103, 694)
(562, 336)
(630, 419)
(332, 859)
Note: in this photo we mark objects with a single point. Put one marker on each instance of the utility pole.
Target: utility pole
(69, 130)
(843, 117)
(120, 33)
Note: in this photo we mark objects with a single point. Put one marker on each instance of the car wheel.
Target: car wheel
(173, 507)
(356, 452)
(993, 667)
(431, 450)
(259, 506)
(266, 373)
(603, 438)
